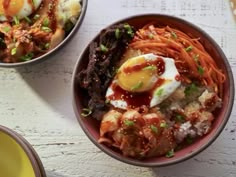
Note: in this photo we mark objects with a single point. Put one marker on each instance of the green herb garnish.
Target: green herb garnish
(47, 45)
(159, 92)
(150, 36)
(46, 22)
(86, 112)
(27, 19)
(173, 34)
(6, 29)
(163, 125)
(27, 57)
(137, 86)
(46, 29)
(154, 128)
(190, 89)
(179, 118)
(150, 68)
(103, 48)
(13, 51)
(129, 30)
(117, 33)
(200, 70)
(16, 20)
(36, 17)
(170, 153)
(189, 48)
(196, 57)
(129, 122)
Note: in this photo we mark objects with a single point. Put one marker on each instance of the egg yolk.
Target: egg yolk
(10, 7)
(136, 75)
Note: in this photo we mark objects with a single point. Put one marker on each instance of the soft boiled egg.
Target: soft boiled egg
(143, 80)
(10, 9)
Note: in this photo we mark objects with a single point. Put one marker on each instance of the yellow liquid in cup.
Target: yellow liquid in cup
(14, 162)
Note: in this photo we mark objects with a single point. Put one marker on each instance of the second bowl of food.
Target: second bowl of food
(152, 90)
(32, 30)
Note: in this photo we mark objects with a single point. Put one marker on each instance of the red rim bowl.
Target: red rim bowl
(91, 126)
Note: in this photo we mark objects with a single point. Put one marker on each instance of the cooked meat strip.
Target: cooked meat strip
(104, 54)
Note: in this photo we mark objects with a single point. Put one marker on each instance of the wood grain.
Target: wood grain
(35, 101)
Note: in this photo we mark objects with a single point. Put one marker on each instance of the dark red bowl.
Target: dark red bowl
(91, 126)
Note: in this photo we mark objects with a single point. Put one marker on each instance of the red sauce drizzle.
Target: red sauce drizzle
(178, 78)
(134, 100)
(52, 16)
(159, 63)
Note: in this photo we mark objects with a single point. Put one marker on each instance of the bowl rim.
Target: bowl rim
(19, 140)
(187, 156)
(84, 4)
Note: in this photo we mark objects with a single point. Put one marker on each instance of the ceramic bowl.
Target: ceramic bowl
(58, 47)
(18, 158)
(91, 126)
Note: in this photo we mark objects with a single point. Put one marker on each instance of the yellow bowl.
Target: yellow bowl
(17, 157)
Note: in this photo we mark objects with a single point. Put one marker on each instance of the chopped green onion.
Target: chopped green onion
(173, 34)
(129, 30)
(196, 57)
(86, 112)
(137, 86)
(159, 92)
(179, 118)
(16, 20)
(27, 57)
(154, 128)
(47, 45)
(150, 68)
(103, 48)
(189, 48)
(200, 70)
(129, 122)
(13, 51)
(36, 17)
(190, 89)
(163, 125)
(28, 20)
(46, 22)
(117, 33)
(46, 29)
(170, 153)
(6, 29)
(150, 36)
(189, 140)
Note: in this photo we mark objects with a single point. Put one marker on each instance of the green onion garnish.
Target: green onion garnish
(103, 48)
(173, 34)
(13, 51)
(117, 33)
(46, 29)
(154, 128)
(189, 48)
(86, 112)
(150, 68)
(159, 92)
(16, 20)
(129, 122)
(170, 153)
(163, 125)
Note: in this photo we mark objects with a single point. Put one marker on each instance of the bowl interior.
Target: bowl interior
(16, 159)
(91, 126)
(61, 44)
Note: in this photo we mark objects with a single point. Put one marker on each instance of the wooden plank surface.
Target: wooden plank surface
(35, 101)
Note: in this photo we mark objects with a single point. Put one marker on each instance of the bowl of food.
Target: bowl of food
(18, 158)
(152, 90)
(31, 31)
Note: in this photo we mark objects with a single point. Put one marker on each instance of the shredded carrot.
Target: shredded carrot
(189, 54)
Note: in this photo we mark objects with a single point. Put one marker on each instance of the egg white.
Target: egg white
(25, 11)
(160, 93)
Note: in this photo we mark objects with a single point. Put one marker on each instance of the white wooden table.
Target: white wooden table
(35, 101)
